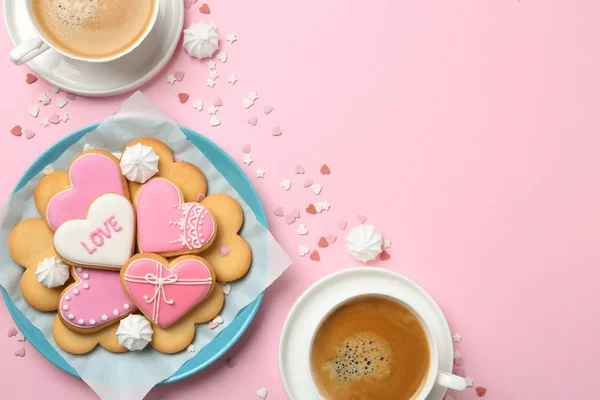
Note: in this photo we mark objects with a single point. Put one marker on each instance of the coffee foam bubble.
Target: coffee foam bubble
(361, 355)
(70, 13)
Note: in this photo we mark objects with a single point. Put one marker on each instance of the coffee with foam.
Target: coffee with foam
(371, 347)
(93, 28)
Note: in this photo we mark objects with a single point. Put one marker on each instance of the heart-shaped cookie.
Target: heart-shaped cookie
(104, 239)
(94, 301)
(91, 175)
(165, 291)
(186, 176)
(167, 225)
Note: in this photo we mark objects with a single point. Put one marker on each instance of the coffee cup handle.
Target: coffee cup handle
(28, 50)
(450, 381)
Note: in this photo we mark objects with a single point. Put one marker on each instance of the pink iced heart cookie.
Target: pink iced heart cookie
(95, 301)
(166, 292)
(168, 226)
(92, 174)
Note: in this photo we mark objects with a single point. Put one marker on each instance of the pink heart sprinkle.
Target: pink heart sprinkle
(295, 213)
(179, 75)
(200, 197)
(459, 361)
(307, 182)
(225, 250)
(12, 331)
(217, 102)
(299, 170)
(267, 109)
(177, 159)
(331, 239)
(278, 212)
(213, 325)
(276, 131)
(361, 219)
(341, 224)
(29, 134)
(253, 121)
(20, 352)
(54, 119)
(289, 219)
(70, 96)
(246, 148)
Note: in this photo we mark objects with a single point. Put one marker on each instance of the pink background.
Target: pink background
(466, 131)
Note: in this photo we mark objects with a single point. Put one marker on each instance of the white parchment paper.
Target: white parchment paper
(131, 375)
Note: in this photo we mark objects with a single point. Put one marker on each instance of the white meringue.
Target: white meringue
(134, 332)
(201, 40)
(364, 242)
(139, 163)
(52, 272)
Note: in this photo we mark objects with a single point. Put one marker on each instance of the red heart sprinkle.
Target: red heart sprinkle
(311, 209)
(385, 255)
(183, 97)
(16, 130)
(31, 78)
(323, 242)
(315, 256)
(325, 170)
(480, 391)
(204, 9)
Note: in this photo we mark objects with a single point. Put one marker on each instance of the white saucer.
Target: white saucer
(102, 79)
(313, 305)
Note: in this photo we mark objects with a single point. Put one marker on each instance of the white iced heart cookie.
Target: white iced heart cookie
(104, 239)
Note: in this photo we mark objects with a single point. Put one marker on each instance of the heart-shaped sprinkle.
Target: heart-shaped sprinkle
(267, 109)
(262, 393)
(303, 250)
(289, 219)
(311, 209)
(200, 197)
(222, 56)
(307, 182)
(61, 102)
(361, 219)
(198, 105)
(205, 9)
(247, 102)
(295, 213)
(177, 159)
(20, 352)
(246, 148)
(385, 255)
(316, 188)
(218, 320)
(302, 229)
(12, 331)
(30, 78)
(299, 169)
(183, 97)
(278, 211)
(48, 170)
(276, 131)
(457, 360)
(29, 134)
(20, 337)
(481, 391)
(54, 119)
(215, 121)
(315, 256)
(225, 250)
(325, 170)
(253, 121)
(331, 239)
(323, 242)
(217, 102)
(226, 288)
(33, 111)
(70, 96)
(179, 75)
(286, 184)
(341, 224)
(16, 130)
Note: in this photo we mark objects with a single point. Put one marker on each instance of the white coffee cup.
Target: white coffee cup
(33, 47)
(434, 375)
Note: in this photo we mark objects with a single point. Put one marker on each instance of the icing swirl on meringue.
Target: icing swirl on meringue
(201, 40)
(52, 272)
(139, 163)
(134, 332)
(364, 242)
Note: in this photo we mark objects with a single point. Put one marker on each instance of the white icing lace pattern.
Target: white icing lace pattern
(190, 225)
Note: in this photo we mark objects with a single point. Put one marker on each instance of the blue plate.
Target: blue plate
(230, 335)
